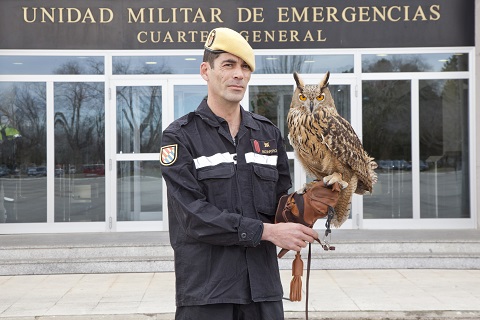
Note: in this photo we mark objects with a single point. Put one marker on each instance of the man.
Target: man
(225, 170)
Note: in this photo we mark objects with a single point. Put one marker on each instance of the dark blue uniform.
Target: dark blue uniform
(220, 190)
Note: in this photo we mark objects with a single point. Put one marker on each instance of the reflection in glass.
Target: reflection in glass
(341, 96)
(51, 65)
(187, 98)
(291, 164)
(270, 64)
(139, 119)
(79, 151)
(157, 64)
(139, 191)
(273, 64)
(444, 152)
(425, 62)
(272, 102)
(387, 137)
(23, 181)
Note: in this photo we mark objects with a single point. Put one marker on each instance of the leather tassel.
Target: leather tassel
(296, 283)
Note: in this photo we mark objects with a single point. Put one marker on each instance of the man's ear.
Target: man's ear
(203, 70)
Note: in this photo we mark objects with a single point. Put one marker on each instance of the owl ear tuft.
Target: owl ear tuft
(324, 82)
(300, 84)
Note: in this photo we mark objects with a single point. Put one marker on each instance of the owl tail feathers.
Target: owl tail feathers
(337, 221)
(296, 283)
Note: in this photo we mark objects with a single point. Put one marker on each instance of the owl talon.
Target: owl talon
(335, 177)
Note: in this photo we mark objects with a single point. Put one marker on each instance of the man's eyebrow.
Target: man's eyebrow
(230, 60)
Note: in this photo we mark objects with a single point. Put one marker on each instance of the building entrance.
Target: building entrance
(80, 135)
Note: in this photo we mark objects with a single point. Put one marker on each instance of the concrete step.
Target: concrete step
(151, 252)
(92, 252)
(387, 261)
(86, 265)
(399, 249)
(417, 249)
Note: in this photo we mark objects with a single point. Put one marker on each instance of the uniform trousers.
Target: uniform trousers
(269, 310)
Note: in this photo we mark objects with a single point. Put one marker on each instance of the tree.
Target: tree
(139, 115)
(23, 111)
(79, 119)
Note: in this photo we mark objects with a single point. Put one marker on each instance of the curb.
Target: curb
(386, 315)
(327, 315)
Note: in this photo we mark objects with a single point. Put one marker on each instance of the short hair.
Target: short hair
(209, 56)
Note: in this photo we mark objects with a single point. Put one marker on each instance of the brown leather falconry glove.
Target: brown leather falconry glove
(318, 201)
(308, 207)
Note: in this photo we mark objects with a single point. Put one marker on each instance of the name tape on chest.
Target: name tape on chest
(268, 147)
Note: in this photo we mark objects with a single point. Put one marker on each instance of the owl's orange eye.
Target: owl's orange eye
(302, 97)
(321, 97)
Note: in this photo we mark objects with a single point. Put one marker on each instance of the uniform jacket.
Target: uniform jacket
(219, 192)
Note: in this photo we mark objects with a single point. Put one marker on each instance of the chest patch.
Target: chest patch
(268, 147)
(168, 155)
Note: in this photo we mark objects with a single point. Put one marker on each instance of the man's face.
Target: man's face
(228, 78)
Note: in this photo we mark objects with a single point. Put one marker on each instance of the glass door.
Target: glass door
(142, 109)
(136, 180)
(79, 131)
(418, 131)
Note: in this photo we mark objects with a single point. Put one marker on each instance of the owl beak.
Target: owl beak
(311, 106)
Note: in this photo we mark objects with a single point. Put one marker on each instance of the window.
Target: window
(23, 152)
(139, 119)
(427, 62)
(444, 163)
(139, 190)
(272, 64)
(79, 151)
(51, 65)
(387, 136)
(157, 64)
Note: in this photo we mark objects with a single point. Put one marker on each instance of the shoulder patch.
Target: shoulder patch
(168, 154)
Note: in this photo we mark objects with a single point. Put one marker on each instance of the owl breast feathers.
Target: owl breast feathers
(327, 146)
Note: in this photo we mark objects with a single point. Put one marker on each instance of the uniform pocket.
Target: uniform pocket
(217, 184)
(222, 171)
(264, 189)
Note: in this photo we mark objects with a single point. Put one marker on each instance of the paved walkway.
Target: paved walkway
(335, 294)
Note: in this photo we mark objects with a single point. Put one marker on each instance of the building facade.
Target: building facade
(86, 90)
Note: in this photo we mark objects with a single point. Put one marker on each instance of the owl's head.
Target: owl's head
(312, 98)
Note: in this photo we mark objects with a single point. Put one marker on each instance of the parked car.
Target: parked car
(423, 165)
(4, 171)
(385, 164)
(401, 165)
(94, 169)
(41, 171)
(32, 171)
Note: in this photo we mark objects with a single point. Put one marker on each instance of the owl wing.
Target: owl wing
(343, 142)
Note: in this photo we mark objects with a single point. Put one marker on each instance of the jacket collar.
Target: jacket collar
(204, 112)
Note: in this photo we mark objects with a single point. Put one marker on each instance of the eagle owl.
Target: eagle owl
(327, 146)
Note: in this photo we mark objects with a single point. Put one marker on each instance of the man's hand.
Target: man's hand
(290, 236)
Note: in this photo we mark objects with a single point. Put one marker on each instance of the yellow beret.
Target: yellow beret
(227, 40)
